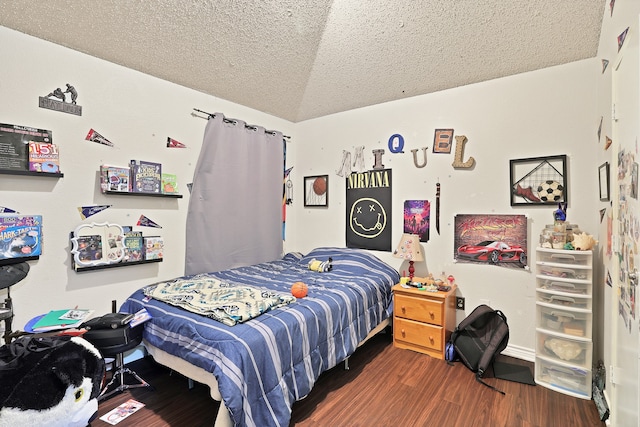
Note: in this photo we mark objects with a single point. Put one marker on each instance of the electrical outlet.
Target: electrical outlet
(459, 303)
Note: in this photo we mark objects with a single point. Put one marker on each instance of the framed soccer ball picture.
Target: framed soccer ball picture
(539, 180)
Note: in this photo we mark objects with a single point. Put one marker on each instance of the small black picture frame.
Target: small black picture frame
(316, 191)
(603, 179)
(539, 181)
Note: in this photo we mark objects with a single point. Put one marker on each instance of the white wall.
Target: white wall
(625, 15)
(541, 113)
(134, 111)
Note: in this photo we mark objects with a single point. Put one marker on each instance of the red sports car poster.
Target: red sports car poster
(491, 239)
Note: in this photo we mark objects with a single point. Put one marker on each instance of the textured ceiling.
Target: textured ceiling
(301, 59)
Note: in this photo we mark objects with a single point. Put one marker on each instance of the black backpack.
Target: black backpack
(477, 340)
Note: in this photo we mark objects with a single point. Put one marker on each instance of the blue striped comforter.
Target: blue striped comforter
(265, 364)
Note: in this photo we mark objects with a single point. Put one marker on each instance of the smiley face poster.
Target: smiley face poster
(369, 210)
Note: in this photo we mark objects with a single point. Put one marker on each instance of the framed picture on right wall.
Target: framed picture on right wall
(539, 180)
(603, 179)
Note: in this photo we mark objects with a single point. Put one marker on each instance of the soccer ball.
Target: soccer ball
(550, 191)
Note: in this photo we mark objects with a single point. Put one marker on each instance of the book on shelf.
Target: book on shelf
(133, 246)
(153, 247)
(114, 178)
(146, 177)
(61, 319)
(14, 145)
(44, 157)
(169, 183)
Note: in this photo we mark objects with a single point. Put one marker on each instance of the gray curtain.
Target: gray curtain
(235, 207)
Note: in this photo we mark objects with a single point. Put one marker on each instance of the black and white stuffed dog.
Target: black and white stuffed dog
(49, 381)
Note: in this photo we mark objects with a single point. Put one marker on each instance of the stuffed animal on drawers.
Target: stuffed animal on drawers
(49, 381)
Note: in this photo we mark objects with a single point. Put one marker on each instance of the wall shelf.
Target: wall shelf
(31, 173)
(124, 193)
(114, 265)
(18, 260)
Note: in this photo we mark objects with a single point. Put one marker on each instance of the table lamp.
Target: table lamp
(409, 249)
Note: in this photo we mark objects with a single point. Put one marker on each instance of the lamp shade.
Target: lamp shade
(409, 248)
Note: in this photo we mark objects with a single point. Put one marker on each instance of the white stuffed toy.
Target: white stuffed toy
(49, 382)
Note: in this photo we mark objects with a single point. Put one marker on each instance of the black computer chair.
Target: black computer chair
(9, 276)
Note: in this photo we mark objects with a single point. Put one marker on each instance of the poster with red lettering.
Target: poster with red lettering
(491, 239)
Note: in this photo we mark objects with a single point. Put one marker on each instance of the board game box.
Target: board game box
(146, 177)
(154, 246)
(20, 237)
(44, 157)
(133, 246)
(14, 145)
(169, 183)
(114, 178)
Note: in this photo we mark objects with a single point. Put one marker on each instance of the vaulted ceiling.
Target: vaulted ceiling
(301, 59)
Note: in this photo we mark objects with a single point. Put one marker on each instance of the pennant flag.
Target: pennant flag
(6, 210)
(172, 143)
(190, 187)
(287, 172)
(612, 3)
(605, 63)
(621, 38)
(87, 211)
(602, 213)
(600, 128)
(608, 143)
(146, 222)
(94, 136)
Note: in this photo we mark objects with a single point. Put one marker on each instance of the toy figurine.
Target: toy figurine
(560, 214)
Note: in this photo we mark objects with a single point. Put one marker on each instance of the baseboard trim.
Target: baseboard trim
(518, 352)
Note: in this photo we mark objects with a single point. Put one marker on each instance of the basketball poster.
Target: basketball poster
(491, 240)
(369, 210)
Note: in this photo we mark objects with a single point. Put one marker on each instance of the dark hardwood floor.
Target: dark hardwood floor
(384, 386)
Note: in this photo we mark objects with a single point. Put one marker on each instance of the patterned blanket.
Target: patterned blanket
(222, 301)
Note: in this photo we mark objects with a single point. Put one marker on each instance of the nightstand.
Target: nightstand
(422, 320)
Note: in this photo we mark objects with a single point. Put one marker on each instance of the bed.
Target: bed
(258, 368)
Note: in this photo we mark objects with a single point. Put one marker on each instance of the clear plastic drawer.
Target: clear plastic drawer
(576, 301)
(564, 257)
(563, 286)
(564, 348)
(569, 322)
(564, 272)
(564, 378)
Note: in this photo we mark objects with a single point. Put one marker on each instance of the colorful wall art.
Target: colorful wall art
(491, 239)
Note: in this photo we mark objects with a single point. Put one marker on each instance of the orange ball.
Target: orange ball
(319, 186)
(299, 290)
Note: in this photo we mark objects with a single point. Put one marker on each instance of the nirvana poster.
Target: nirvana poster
(369, 210)
(491, 239)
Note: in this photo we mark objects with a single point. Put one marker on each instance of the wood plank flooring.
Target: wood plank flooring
(384, 386)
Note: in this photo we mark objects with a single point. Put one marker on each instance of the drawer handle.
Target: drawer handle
(432, 314)
(402, 332)
(403, 309)
(431, 340)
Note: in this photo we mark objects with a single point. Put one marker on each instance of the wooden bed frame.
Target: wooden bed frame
(195, 373)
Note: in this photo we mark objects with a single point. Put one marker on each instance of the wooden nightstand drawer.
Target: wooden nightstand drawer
(422, 320)
(420, 309)
(418, 334)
